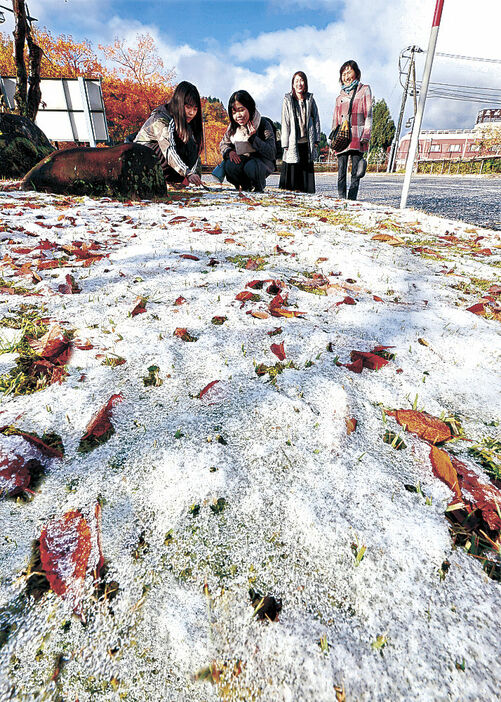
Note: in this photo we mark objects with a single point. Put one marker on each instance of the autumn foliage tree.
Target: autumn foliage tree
(140, 84)
(215, 119)
(134, 80)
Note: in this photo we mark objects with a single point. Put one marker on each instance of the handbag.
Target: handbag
(340, 137)
(218, 172)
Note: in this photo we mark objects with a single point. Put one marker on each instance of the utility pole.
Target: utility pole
(394, 145)
(422, 100)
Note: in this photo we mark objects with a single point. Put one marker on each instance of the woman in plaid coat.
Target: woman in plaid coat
(361, 123)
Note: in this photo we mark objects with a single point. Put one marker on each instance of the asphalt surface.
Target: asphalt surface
(476, 200)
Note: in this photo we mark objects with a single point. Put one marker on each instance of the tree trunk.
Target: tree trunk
(19, 42)
(27, 96)
(34, 92)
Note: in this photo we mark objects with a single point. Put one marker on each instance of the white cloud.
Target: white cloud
(373, 33)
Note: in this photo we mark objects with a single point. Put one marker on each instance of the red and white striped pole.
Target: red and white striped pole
(422, 99)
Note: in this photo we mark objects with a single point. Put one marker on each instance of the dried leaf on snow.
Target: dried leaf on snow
(278, 350)
(423, 425)
(100, 427)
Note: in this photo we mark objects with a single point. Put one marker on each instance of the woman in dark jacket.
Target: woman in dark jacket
(361, 123)
(174, 132)
(248, 147)
(300, 136)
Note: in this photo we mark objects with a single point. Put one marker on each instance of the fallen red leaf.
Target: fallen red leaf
(101, 423)
(273, 332)
(177, 219)
(183, 334)
(347, 301)
(139, 307)
(278, 301)
(351, 425)
(423, 425)
(70, 287)
(356, 367)
(14, 474)
(65, 546)
(41, 445)
(278, 350)
(258, 314)
(180, 301)
(389, 239)
(252, 264)
(478, 308)
(284, 312)
(369, 360)
(53, 346)
(482, 496)
(82, 345)
(443, 469)
(279, 250)
(51, 263)
(207, 388)
(190, 257)
(376, 298)
(244, 295)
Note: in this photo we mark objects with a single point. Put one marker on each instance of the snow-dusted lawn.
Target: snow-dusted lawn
(302, 495)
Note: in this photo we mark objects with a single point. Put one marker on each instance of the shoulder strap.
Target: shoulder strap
(351, 103)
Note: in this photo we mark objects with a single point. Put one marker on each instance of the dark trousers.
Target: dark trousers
(249, 173)
(342, 165)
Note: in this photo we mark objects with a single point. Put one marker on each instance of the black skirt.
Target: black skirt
(299, 176)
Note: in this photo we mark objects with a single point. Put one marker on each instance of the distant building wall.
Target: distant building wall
(453, 144)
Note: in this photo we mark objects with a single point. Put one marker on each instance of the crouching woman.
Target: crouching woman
(248, 147)
(174, 132)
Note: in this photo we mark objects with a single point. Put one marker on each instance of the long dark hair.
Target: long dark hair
(186, 94)
(303, 76)
(351, 64)
(247, 101)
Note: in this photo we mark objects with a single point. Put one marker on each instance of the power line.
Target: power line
(466, 93)
(469, 58)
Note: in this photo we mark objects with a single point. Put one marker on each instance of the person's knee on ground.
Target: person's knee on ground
(235, 174)
(255, 170)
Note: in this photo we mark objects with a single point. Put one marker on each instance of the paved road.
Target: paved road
(471, 199)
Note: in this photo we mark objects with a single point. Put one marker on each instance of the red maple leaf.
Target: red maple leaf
(14, 474)
(53, 346)
(278, 350)
(65, 546)
(101, 423)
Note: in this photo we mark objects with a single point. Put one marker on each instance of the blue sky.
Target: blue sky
(224, 45)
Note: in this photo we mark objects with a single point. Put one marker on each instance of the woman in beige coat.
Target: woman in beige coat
(300, 136)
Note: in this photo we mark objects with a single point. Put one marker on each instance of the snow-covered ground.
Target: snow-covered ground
(347, 532)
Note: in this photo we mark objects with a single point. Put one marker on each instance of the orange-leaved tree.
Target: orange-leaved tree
(7, 67)
(63, 57)
(216, 121)
(139, 85)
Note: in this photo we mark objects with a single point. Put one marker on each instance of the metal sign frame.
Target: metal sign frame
(76, 98)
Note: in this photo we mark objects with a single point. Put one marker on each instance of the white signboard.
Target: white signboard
(71, 109)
